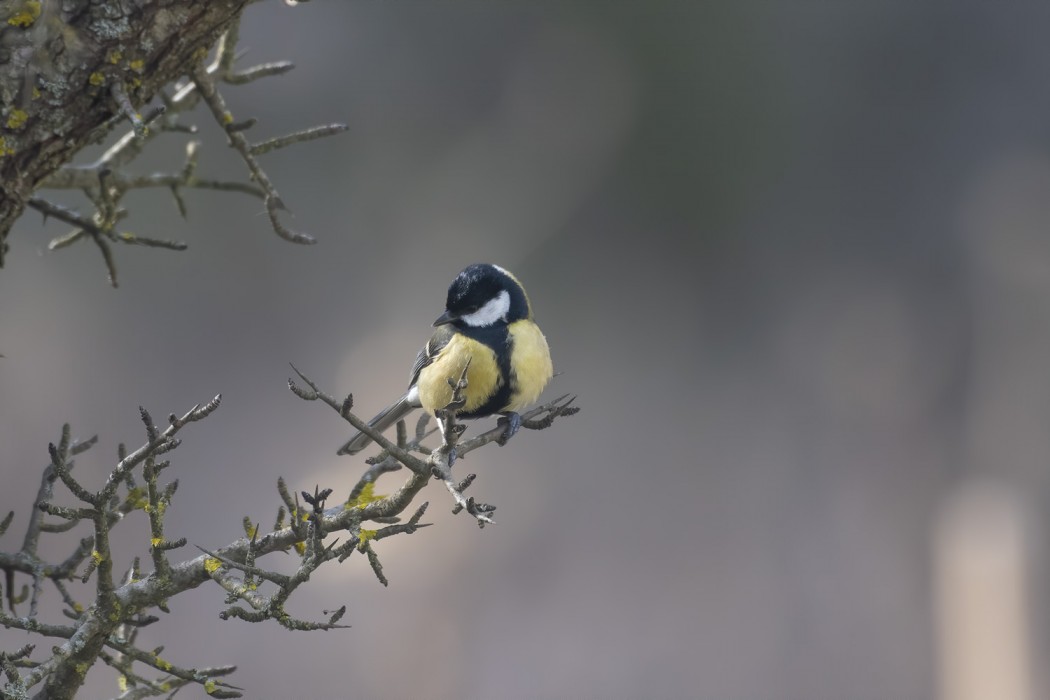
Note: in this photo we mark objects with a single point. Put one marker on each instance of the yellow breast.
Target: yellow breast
(530, 370)
(483, 376)
(530, 364)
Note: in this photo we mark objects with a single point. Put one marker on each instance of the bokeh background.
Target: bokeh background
(793, 257)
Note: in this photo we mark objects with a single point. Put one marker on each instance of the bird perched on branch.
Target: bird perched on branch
(487, 329)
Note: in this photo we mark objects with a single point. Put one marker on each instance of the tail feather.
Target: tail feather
(386, 418)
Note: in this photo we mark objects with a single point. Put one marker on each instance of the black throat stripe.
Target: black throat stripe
(498, 338)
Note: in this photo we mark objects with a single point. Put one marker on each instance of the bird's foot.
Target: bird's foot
(512, 421)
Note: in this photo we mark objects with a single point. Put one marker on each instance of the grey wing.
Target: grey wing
(439, 340)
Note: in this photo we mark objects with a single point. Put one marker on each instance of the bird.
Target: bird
(488, 330)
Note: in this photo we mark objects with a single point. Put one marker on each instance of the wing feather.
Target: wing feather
(431, 350)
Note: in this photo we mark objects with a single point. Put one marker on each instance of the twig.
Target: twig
(120, 608)
(316, 132)
(206, 86)
(106, 181)
(120, 96)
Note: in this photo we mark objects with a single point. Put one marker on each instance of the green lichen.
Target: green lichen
(366, 496)
(17, 119)
(25, 17)
(364, 537)
(158, 508)
(136, 498)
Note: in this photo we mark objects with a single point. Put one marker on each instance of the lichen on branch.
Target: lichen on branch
(72, 72)
(108, 610)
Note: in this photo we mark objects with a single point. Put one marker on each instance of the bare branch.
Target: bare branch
(213, 98)
(316, 132)
(120, 96)
(106, 626)
(107, 180)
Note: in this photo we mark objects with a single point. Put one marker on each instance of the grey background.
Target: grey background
(792, 257)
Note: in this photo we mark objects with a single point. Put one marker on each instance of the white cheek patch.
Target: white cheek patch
(495, 309)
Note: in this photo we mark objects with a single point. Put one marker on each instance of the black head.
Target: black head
(484, 295)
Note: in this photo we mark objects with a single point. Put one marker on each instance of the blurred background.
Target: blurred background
(793, 258)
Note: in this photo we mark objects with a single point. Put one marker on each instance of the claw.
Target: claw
(513, 422)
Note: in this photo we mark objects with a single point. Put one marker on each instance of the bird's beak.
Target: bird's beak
(445, 318)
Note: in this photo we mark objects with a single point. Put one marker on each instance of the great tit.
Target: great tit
(488, 323)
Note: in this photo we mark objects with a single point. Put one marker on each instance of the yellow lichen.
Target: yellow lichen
(137, 65)
(364, 537)
(155, 541)
(36, 94)
(163, 665)
(96, 79)
(210, 687)
(5, 150)
(17, 119)
(211, 565)
(122, 683)
(114, 56)
(136, 498)
(300, 547)
(96, 556)
(227, 118)
(78, 608)
(367, 495)
(27, 15)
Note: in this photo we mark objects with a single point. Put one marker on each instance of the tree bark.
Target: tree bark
(62, 64)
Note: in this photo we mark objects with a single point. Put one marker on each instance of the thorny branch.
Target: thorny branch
(106, 625)
(439, 460)
(106, 181)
